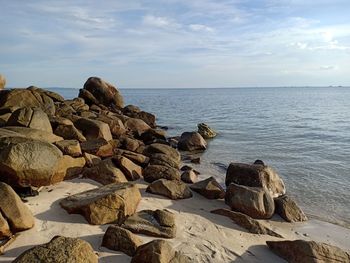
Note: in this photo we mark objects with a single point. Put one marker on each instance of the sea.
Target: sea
(302, 132)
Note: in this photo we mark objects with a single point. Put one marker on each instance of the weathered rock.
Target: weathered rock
(158, 251)
(163, 159)
(25, 162)
(2, 82)
(88, 97)
(103, 92)
(111, 203)
(209, 188)
(196, 160)
(137, 126)
(255, 175)
(158, 223)
(135, 112)
(69, 147)
(91, 160)
(188, 168)
(308, 251)
(120, 239)
(93, 129)
(131, 170)
(60, 250)
(13, 210)
(289, 210)
(130, 144)
(115, 124)
(155, 172)
(65, 128)
(135, 157)
(163, 149)
(29, 133)
(206, 131)
(151, 135)
(4, 227)
(105, 172)
(191, 141)
(253, 201)
(69, 167)
(172, 189)
(189, 176)
(99, 147)
(252, 225)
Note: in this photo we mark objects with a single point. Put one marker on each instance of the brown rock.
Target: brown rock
(135, 157)
(99, 147)
(189, 176)
(170, 188)
(91, 160)
(69, 167)
(191, 141)
(137, 126)
(130, 144)
(4, 227)
(163, 149)
(93, 129)
(65, 128)
(33, 134)
(289, 210)
(151, 135)
(163, 159)
(155, 172)
(69, 147)
(209, 188)
(115, 124)
(131, 170)
(206, 131)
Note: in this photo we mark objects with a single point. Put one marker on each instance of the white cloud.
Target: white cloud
(158, 21)
(328, 67)
(199, 27)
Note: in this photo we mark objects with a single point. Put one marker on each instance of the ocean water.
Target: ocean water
(304, 133)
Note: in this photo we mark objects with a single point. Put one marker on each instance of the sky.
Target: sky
(175, 43)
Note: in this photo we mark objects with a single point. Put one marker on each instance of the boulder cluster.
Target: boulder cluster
(45, 139)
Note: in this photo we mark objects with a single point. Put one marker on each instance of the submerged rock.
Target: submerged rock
(289, 210)
(191, 141)
(206, 131)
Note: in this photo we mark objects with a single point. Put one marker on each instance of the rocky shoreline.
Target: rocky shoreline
(114, 167)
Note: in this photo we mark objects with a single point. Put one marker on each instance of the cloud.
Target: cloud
(328, 67)
(199, 27)
(158, 21)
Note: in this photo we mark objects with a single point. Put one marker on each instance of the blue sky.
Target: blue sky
(175, 43)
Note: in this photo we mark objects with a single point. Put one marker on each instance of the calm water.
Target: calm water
(303, 132)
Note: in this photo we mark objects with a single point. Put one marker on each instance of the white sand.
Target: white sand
(203, 236)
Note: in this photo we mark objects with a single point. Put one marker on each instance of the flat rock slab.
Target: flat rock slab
(107, 204)
(158, 223)
(209, 188)
(172, 189)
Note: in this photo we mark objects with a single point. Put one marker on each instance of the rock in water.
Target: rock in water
(308, 251)
(172, 189)
(107, 204)
(2, 82)
(120, 239)
(206, 131)
(158, 223)
(60, 250)
(255, 202)
(158, 251)
(192, 141)
(102, 92)
(255, 175)
(289, 210)
(209, 188)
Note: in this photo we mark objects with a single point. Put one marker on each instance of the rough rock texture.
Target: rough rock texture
(172, 189)
(191, 141)
(60, 250)
(107, 204)
(115, 124)
(308, 251)
(93, 129)
(209, 188)
(65, 128)
(189, 176)
(137, 126)
(158, 223)
(12, 210)
(137, 158)
(206, 131)
(152, 135)
(69, 147)
(159, 251)
(31, 134)
(91, 160)
(163, 149)
(102, 93)
(255, 175)
(131, 170)
(253, 201)
(26, 162)
(2, 82)
(289, 210)
(154, 172)
(99, 147)
(4, 227)
(69, 167)
(120, 239)
(252, 225)
(163, 159)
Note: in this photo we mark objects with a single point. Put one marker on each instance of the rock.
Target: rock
(25, 162)
(131, 109)
(130, 144)
(196, 160)
(209, 188)
(189, 176)
(163, 149)
(255, 202)
(158, 223)
(105, 172)
(131, 170)
(93, 129)
(29, 133)
(99, 147)
(158, 251)
(111, 203)
(12, 210)
(91, 160)
(255, 175)
(59, 250)
(289, 210)
(115, 124)
(34, 118)
(88, 97)
(120, 239)
(69, 167)
(65, 128)
(252, 225)
(4, 227)
(135, 112)
(308, 251)
(135, 157)
(154, 172)
(191, 141)
(163, 159)
(69, 147)
(170, 188)
(206, 131)
(151, 135)
(137, 126)
(188, 168)
(103, 92)
(260, 162)
(2, 82)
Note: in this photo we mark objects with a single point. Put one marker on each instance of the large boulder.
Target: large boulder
(253, 201)
(111, 203)
(152, 135)
(131, 170)
(120, 239)
(136, 126)
(159, 251)
(25, 162)
(65, 128)
(172, 189)
(255, 175)
(2, 82)
(60, 250)
(163, 159)
(14, 214)
(308, 251)
(154, 172)
(29, 133)
(209, 188)
(69, 147)
(158, 223)
(191, 141)
(115, 124)
(206, 131)
(102, 93)
(69, 167)
(163, 149)
(93, 129)
(289, 210)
